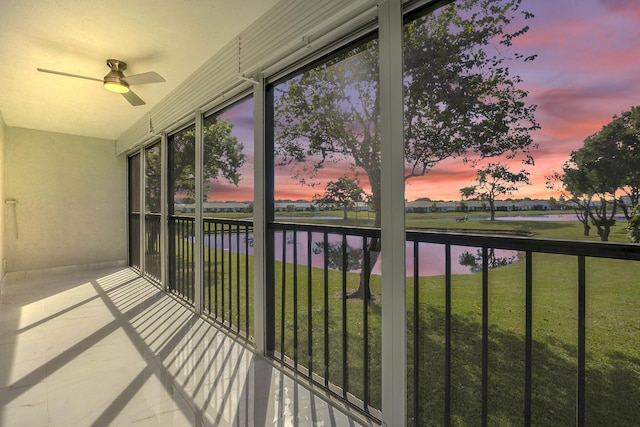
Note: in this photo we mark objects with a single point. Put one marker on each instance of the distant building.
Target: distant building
(426, 206)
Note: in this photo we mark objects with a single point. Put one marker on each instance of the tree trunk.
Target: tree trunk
(583, 216)
(344, 210)
(492, 208)
(372, 252)
(603, 232)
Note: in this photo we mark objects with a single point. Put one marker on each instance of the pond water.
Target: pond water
(431, 257)
(556, 217)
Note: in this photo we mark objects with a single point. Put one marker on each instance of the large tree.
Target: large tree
(461, 99)
(222, 156)
(606, 168)
(575, 191)
(627, 129)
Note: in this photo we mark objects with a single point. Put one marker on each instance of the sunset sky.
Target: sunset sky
(587, 70)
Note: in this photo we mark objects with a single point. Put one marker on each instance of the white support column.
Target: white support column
(164, 208)
(198, 243)
(259, 217)
(143, 214)
(394, 342)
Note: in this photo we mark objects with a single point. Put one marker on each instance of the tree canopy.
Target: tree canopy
(494, 180)
(461, 99)
(605, 169)
(343, 192)
(222, 157)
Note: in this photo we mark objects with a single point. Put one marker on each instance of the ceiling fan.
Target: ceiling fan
(116, 81)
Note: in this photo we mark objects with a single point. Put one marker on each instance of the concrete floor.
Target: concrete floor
(105, 347)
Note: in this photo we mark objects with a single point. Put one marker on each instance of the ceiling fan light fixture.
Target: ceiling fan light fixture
(115, 81)
(117, 87)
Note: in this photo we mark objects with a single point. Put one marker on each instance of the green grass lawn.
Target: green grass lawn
(613, 331)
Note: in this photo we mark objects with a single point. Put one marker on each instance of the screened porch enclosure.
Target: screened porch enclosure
(280, 212)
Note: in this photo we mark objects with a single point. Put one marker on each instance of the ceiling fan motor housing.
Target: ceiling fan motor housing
(115, 75)
(113, 81)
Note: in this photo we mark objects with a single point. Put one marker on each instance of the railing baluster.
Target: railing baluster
(172, 254)
(283, 293)
(185, 270)
(528, 337)
(176, 261)
(230, 279)
(185, 257)
(208, 276)
(246, 280)
(365, 322)
(485, 334)
(345, 267)
(215, 269)
(192, 263)
(182, 258)
(447, 336)
(224, 253)
(295, 299)
(581, 397)
(238, 277)
(326, 309)
(180, 283)
(309, 306)
(134, 240)
(159, 249)
(416, 333)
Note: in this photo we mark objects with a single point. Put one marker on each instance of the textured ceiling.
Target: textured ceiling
(171, 37)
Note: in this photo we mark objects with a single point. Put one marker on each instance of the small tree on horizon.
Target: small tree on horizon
(494, 180)
(342, 193)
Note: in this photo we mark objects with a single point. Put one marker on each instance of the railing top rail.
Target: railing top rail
(229, 221)
(186, 218)
(322, 228)
(614, 250)
(625, 251)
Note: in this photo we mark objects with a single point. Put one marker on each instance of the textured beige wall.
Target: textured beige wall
(71, 200)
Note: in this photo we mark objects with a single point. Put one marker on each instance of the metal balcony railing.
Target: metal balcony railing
(462, 369)
(572, 263)
(314, 329)
(153, 247)
(134, 240)
(228, 274)
(182, 257)
(500, 329)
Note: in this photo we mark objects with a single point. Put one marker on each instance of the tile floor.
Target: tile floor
(105, 347)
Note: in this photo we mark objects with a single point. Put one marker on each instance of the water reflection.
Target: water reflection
(430, 257)
(474, 262)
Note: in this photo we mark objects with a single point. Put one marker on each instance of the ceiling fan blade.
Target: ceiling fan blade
(144, 78)
(133, 99)
(67, 74)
